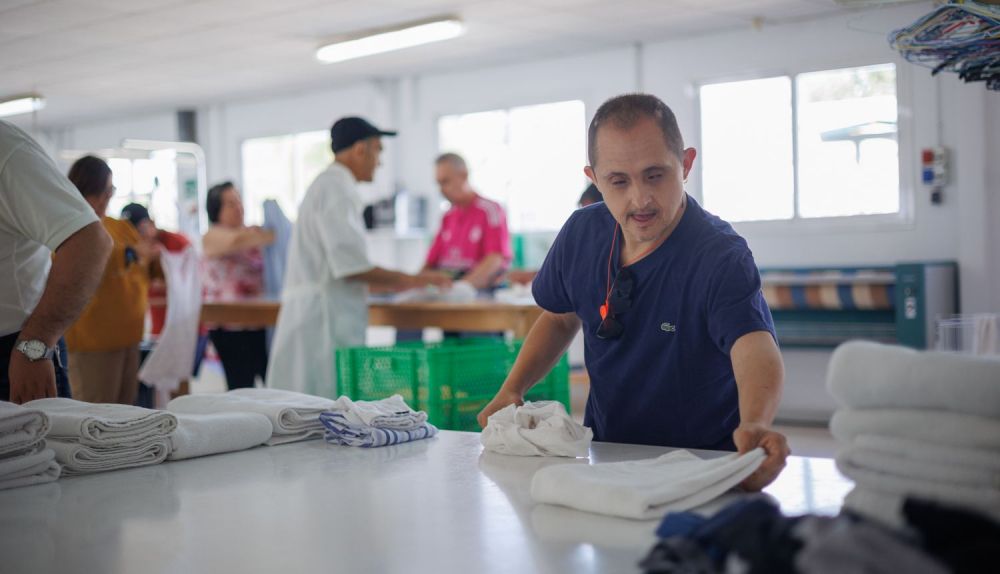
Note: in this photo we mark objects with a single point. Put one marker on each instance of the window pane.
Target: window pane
(281, 168)
(746, 130)
(848, 153)
(529, 159)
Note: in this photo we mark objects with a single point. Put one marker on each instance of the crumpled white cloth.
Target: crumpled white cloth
(390, 413)
(103, 425)
(644, 489)
(541, 428)
(865, 375)
(20, 427)
(294, 416)
(200, 435)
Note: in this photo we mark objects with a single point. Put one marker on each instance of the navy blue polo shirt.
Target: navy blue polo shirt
(668, 380)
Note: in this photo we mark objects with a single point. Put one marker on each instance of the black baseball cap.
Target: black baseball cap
(135, 213)
(348, 131)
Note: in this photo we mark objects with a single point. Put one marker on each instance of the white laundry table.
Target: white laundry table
(438, 505)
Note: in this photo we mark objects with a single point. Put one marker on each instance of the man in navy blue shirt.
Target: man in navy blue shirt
(680, 344)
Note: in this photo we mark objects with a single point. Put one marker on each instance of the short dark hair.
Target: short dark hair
(90, 175)
(624, 111)
(591, 195)
(213, 201)
(454, 159)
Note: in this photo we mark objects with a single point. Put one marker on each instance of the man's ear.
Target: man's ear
(589, 172)
(689, 155)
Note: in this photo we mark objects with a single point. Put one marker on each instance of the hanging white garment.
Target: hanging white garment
(172, 359)
(321, 310)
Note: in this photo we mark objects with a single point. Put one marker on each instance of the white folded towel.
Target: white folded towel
(933, 427)
(886, 507)
(391, 413)
(541, 428)
(77, 458)
(200, 435)
(944, 492)
(294, 416)
(865, 375)
(898, 463)
(20, 427)
(32, 464)
(929, 454)
(643, 489)
(104, 425)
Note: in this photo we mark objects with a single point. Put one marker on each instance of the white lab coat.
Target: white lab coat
(320, 309)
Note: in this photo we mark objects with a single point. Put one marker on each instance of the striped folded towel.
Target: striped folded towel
(340, 430)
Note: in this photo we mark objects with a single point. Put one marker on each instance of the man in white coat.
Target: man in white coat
(323, 305)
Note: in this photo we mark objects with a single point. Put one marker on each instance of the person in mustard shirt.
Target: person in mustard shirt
(104, 341)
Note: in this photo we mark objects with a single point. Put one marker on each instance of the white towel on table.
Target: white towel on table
(934, 427)
(865, 375)
(390, 413)
(77, 458)
(643, 489)
(32, 464)
(294, 416)
(20, 427)
(963, 496)
(541, 428)
(200, 435)
(901, 464)
(104, 425)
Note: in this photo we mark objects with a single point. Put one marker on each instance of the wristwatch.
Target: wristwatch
(35, 350)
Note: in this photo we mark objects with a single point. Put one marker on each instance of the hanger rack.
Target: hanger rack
(962, 37)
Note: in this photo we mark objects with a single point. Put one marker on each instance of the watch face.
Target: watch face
(33, 349)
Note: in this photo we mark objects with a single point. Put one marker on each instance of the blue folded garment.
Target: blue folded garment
(340, 431)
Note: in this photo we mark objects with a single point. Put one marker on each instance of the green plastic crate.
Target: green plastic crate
(452, 380)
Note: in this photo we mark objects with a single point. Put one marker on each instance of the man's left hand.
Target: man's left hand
(750, 436)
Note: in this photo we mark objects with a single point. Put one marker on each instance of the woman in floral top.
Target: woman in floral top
(233, 270)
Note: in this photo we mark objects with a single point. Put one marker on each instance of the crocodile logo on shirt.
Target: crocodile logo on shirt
(668, 327)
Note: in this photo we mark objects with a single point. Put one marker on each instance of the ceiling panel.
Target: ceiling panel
(100, 58)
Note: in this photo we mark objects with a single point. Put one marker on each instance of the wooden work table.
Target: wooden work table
(481, 315)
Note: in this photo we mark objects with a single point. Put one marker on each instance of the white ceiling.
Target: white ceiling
(99, 58)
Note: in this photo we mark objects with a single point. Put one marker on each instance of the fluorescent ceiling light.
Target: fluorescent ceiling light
(21, 105)
(387, 41)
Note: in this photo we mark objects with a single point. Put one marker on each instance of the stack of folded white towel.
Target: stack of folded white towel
(293, 416)
(911, 424)
(541, 428)
(90, 437)
(24, 458)
(375, 423)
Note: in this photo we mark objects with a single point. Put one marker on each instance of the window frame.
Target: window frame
(905, 139)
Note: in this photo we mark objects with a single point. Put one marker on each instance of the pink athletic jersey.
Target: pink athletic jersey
(468, 234)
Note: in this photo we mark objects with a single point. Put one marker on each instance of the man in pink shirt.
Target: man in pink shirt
(473, 242)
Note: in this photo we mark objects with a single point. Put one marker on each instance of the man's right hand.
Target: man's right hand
(30, 380)
(503, 399)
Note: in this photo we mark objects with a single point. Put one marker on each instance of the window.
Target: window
(151, 182)
(529, 159)
(842, 126)
(282, 168)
